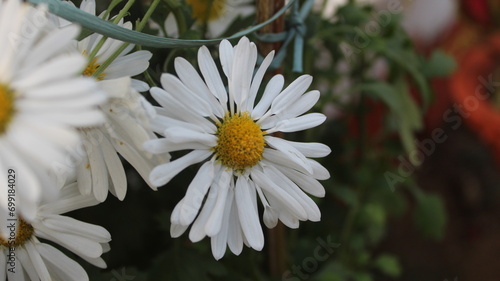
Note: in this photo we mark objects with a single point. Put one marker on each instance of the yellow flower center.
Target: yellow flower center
(207, 10)
(6, 107)
(20, 233)
(92, 68)
(240, 141)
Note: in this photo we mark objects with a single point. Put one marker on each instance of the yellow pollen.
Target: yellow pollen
(207, 10)
(240, 141)
(6, 107)
(24, 231)
(92, 68)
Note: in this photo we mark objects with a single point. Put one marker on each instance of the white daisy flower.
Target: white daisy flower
(126, 129)
(99, 168)
(216, 15)
(245, 160)
(24, 257)
(127, 64)
(43, 98)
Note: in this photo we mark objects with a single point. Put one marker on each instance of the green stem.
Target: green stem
(116, 20)
(111, 6)
(139, 27)
(360, 159)
(176, 8)
(361, 116)
(168, 60)
(106, 63)
(148, 14)
(123, 12)
(149, 79)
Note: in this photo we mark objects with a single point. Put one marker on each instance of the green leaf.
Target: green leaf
(410, 120)
(389, 265)
(403, 108)
(373, 219)
(185, 265)
(362, 276)
(439, 64)
(408, 61)
(114, 274)
(376, 213)
(385, 92)
(332, 271)
(430, 216)
(346, 194)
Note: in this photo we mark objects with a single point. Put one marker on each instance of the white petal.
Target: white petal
(116, 88)
(178, 90)
(248, 214)
(291, 188)
(115, 169)
(175, 218)
(59, 90)
(211, 75)
(26, 264)
(284, 215)
(300, 123)
(257, 80)
(235, 235)
(299, 107)
(196, 193)
(129, 65)
(190, 77)
(177, 230)
(37, 262)
(99, 174)
(140, 160)
(272, 188)
(31, 188)
(163, 173)
(180, 135)
(161, 122)
(219, 242)
(65, 268)
(245, 57)
(3, 261)
(84, 176)
(98, 262)
(73, 226)
(311, 149)
(159, 146)
(198, 229)
(319, 172)
(270, 217)
(79, 245)
(272, 157)
(180, 111)
(72, 65)
(291, 152)
(291, 93)
(306, 182)
(68, 203)
(226, 53)
(289, 220)
(215, 221)
(273, 88)
(46, 47)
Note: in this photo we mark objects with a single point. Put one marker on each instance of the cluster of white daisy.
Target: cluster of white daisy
(70, 113)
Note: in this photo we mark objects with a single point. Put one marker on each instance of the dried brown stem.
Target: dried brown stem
(265, 10)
